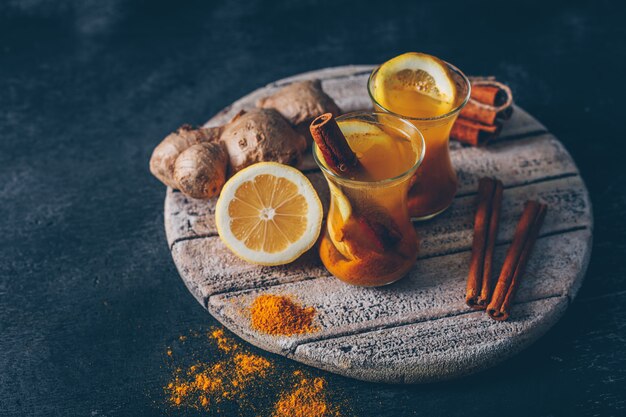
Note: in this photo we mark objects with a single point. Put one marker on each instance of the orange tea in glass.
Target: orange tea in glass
(368, 238)
(429, 93)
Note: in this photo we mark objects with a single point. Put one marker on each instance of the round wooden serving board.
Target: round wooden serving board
(419, 329)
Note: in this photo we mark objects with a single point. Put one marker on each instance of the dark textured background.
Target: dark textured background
(89, 296)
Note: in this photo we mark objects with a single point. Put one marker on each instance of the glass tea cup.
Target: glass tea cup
(368, 238)
(435, 182)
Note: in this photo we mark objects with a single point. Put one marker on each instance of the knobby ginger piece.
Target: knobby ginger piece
(200, 170)
(261, 135)
(165, 154)
(300, 103)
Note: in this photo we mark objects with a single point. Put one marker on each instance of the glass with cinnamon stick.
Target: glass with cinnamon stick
(402, 94)
(368, 160)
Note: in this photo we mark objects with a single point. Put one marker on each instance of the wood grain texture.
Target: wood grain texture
(418, 329)
(207, 261)
(435, 350)
(426, 294)
(533, 159)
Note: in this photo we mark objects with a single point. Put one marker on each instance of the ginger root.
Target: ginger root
(200, 170)
(165, 154)
(197, 161)
(261, 135)
(276, 131)
(300, 103)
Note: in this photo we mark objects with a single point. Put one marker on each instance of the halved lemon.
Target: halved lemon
(268, 214)
(399, 82)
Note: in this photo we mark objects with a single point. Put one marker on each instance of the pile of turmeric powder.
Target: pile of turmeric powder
(279, 315)
(234, 380)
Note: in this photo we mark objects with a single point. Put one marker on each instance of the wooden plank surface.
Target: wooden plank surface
(425, 294)
(533, 159)
(435, 350)
(418, 329)
(208, 261)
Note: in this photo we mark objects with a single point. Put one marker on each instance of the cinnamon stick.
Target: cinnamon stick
(481, 225)
(488, 93)
(489, 100)
(486, 224)
(485, 113)
(491, 92)
(481, 119)
(333, 145)
(492, 235)
(474, 133)
(516, 259)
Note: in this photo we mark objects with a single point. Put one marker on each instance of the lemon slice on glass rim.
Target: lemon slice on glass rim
(268, 214)
(419, 72)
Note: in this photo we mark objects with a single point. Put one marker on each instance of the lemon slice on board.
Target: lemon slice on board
(415, 72)
(268, 214)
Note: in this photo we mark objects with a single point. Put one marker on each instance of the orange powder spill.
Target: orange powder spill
(308, 398)
(225, 344)
(239, 379)
(279, 315)
(204, 385)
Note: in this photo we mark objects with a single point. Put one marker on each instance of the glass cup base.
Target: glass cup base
(384, 284)
(430, 216)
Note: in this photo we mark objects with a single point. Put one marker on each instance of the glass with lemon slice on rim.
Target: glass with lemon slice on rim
(429, 93)
(368, 238)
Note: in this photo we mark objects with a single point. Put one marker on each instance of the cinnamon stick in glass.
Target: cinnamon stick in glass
(333, 146)
(486, 222)
(516, 259)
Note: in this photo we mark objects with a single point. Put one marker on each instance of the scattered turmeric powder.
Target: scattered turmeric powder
(279, 315)
(224, 343)
(239, 379)
(204, 385)
(248, 364)
(308, 398)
